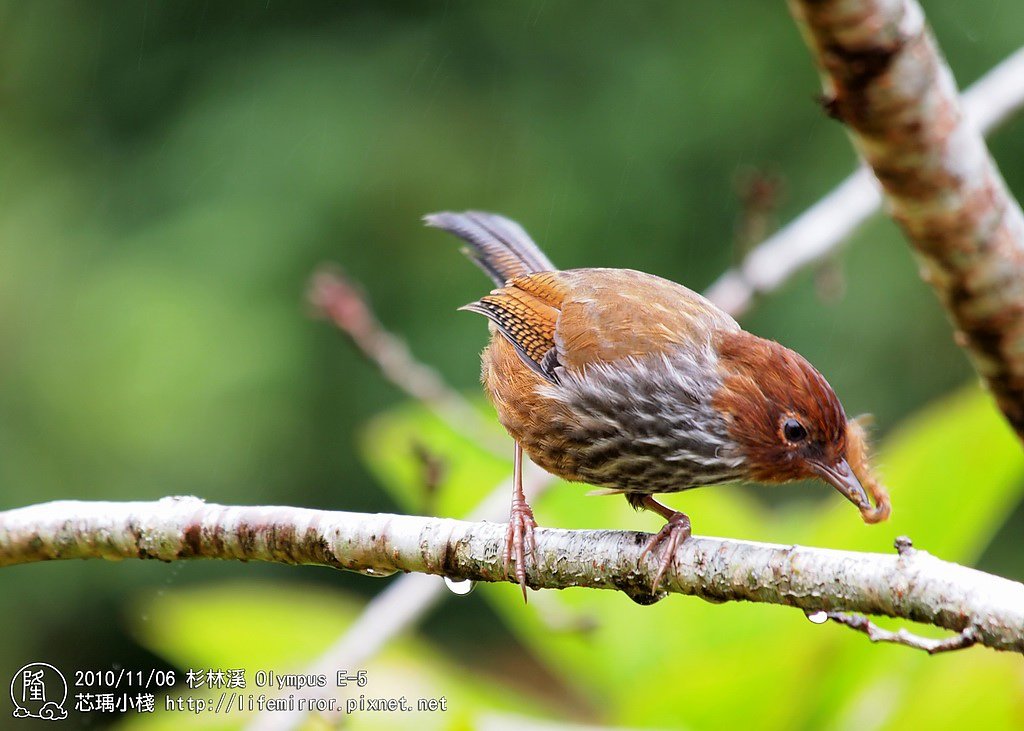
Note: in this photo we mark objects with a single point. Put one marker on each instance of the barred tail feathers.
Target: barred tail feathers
(499, 246)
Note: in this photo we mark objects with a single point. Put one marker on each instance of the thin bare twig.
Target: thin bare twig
(819, 232)
(759, 193)
(967, 637)
(337, 298)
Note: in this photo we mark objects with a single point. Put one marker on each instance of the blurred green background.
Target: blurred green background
(171, 174)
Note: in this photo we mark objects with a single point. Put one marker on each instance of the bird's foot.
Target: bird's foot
(675, 531)
(519, 540)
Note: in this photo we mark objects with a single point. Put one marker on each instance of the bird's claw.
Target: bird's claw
(519, 541)
(675, 531)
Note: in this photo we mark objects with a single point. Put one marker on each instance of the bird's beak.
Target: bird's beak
(841, 477)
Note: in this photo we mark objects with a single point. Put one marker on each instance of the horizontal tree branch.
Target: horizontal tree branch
(910, 584)
(885, 78)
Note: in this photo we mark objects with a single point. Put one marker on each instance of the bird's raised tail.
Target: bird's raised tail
(497, 245)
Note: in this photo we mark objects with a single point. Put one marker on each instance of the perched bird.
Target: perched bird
(631, 382)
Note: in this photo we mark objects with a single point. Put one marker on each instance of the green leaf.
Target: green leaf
(284, 628)
(244, 624)
(389, 446)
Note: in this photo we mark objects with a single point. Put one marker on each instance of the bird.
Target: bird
(638, 385)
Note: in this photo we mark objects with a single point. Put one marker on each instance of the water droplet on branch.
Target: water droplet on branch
(818, 617)
(459, 588)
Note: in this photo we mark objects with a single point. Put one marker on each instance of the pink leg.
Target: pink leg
(519, 537)
(675, 531)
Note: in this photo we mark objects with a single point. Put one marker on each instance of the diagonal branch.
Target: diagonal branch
(819, 231)
(336, 297)
(886, 79)
(911, 585)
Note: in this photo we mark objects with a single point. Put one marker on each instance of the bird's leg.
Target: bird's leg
(675, 531)
(519, 536)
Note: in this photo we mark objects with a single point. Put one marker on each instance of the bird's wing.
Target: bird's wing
(526, 311)
(574, 318)
(620, 313)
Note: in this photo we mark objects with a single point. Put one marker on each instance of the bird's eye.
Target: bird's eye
(793, 431)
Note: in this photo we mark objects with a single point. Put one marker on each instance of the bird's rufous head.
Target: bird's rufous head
(786, 420)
